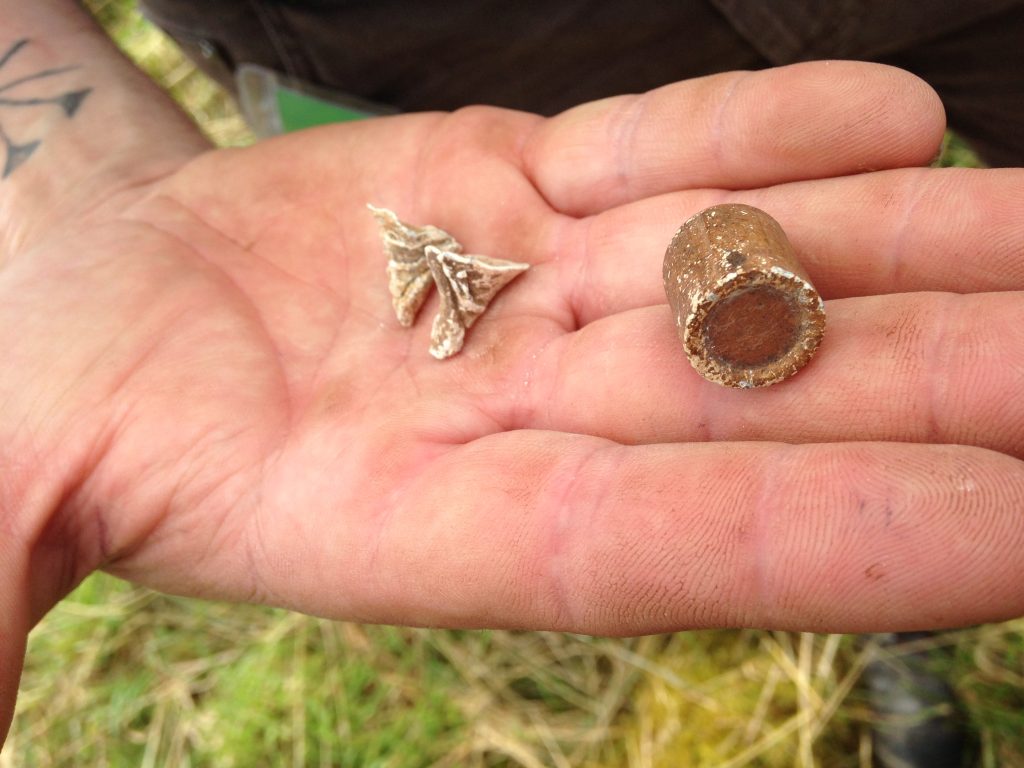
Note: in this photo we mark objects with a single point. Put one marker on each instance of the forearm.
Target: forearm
(77, 121)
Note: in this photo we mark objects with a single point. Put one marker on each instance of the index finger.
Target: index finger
(737, 130)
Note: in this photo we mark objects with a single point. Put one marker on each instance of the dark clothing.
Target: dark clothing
(545, 57)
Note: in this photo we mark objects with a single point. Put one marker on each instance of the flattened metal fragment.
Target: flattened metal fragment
(466, 283)
(409, 276)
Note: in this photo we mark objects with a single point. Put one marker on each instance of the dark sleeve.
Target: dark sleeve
(785, 31)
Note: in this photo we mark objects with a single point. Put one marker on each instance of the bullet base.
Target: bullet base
(754, 329)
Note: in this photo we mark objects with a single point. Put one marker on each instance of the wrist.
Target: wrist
(46, 549)
(16, 589)
(79, 122)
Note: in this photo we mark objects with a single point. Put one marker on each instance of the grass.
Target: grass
(119, 676)
(158, 56)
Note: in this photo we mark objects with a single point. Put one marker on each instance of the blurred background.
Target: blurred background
(119, 676)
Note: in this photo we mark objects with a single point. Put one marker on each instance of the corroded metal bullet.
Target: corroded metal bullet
(744, 308)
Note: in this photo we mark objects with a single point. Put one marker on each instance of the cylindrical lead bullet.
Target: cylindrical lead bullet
(744, 308)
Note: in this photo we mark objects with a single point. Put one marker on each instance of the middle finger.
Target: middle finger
(921, 367)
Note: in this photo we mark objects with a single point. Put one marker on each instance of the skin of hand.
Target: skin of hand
(205, 389)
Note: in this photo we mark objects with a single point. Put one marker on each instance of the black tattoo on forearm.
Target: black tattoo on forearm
(17, 152)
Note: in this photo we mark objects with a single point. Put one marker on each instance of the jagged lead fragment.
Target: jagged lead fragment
(466, 284)
(409, 276)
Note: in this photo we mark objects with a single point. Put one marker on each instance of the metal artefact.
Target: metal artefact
(409, 277)
(744, 308)
(466, 284)
(419, 256)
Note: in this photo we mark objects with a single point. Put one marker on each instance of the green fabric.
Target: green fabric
(300, 110)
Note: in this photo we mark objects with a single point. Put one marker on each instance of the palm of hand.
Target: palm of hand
(240, 349)
(250, 422)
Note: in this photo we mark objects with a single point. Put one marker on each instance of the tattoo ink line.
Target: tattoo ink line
(17, 154)
(69, 102)
(36, 76)
(12, 51)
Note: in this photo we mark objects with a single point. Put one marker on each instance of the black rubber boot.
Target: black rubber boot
(919, 723)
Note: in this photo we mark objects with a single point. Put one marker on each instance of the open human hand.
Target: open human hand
(205, 389)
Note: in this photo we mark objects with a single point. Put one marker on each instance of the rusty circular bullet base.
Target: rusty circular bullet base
(744, 308)
(754, 328)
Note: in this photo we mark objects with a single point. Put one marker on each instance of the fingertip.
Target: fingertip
(831, 118)
(922, 112)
